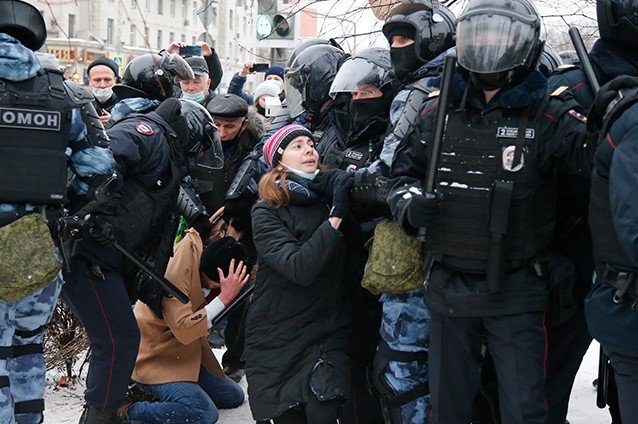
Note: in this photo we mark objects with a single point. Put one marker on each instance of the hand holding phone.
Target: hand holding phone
(259, 67)
(188, 51)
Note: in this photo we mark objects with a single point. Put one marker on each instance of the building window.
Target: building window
(160, 7)
(133, 35)
(183, 38)
(194, 40)
(147, 5)
(172, 9)
(184, 8)
(171, 37)
(110, 26)
(71, 26)
(194, 10)
(133, 3)
(230, 18)
(159, 39)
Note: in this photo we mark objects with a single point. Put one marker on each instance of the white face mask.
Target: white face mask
(102, 94)
(301, 173)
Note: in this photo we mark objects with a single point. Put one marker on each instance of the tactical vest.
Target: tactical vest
(35, 123)
(607, 249)
(488, 180)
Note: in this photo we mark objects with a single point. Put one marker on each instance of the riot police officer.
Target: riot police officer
(46, 123)
(493, 218)
(152, 152)
(611, 306)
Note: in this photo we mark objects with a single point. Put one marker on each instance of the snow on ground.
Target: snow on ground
(65, 405)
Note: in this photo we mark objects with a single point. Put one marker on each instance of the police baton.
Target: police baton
(439, 128)
(242, 297)
(166, 285)
(581, 52)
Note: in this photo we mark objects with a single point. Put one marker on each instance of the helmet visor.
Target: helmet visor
(359, 74)
(493, 43)
(296, 80)
(211, 155)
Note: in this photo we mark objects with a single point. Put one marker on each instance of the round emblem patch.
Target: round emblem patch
(144, 128)
(508, 159)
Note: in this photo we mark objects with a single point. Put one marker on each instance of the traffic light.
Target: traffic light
(271, 24)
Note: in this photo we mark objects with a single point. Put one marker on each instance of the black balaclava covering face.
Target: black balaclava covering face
(365, 111)
(404, 61)
(490, 82)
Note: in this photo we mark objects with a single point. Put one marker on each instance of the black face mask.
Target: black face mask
(364, 111)
(404, 61)
(489, 82)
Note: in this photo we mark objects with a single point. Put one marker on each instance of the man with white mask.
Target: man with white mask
(103, 74)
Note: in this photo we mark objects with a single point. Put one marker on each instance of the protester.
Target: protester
(298, 322)
(274, 73)
(103, 74)
(175, 363)
(207, 69)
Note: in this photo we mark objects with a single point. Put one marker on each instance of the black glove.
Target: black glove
(421, 210)
(341, 195)
(604, 97)
(203, 226)
(152, 294)
(239, 210)
(102, 230)
(324, 183)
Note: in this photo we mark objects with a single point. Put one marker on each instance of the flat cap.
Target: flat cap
(198, 65)
(228, 106)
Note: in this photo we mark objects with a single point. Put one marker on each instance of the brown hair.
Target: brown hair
(270, 191)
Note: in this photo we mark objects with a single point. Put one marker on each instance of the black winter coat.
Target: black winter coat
(298, 320)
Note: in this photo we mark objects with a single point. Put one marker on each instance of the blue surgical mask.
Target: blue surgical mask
(301, 173)
(198, 97)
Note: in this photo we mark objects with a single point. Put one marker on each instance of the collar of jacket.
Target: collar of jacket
(612, 60)
(529, 90)
(131, 105)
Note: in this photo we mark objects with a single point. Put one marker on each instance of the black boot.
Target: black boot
(92, 415)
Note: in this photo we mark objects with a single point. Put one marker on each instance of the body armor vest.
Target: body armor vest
(607, 248)
(35, 123)
(474, 160)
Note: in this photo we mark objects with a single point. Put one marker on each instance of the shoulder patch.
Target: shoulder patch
(578, 116)
(434, 94)
(560, 90)
(144, 128)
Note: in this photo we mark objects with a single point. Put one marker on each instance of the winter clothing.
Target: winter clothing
(277, 143)
(219, 254)
(106, 62)
(274, 70)
(228, 106)
(297, 323)
(236, 86)
(270, 88)
(174, 348)
(457, 293)
(198, 65)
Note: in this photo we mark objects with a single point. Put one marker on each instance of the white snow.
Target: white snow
(65, 405)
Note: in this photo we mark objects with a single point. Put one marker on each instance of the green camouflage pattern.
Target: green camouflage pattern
(394, 263)
(28, 260)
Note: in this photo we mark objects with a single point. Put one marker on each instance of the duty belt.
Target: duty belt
(624, 282)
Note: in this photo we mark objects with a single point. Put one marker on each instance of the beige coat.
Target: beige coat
(173, 349)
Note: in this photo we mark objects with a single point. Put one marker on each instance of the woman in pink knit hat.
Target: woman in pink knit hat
(298, 322)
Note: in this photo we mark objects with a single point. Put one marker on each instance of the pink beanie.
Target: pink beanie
(277, 143)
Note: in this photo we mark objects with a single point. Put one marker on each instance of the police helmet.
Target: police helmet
(203, 147)
(431, 23)
(369, 67)
(618, 21)
(24, 22)
(549, 61)
(495, 36)
(151, 75)
(310, 76)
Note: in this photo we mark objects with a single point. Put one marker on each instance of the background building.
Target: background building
(81, 31)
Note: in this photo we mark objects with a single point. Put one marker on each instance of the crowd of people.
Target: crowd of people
(428, 232)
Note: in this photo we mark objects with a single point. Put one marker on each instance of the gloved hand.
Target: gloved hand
(604, 97)
(325, 182)
(102, 230)
(239, 210)
(203, 226)
(421, 210)
(341, 195)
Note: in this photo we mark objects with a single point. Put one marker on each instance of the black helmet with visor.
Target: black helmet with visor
(371, 67)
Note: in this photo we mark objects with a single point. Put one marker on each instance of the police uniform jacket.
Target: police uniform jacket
(554, 141)
(298, 321)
